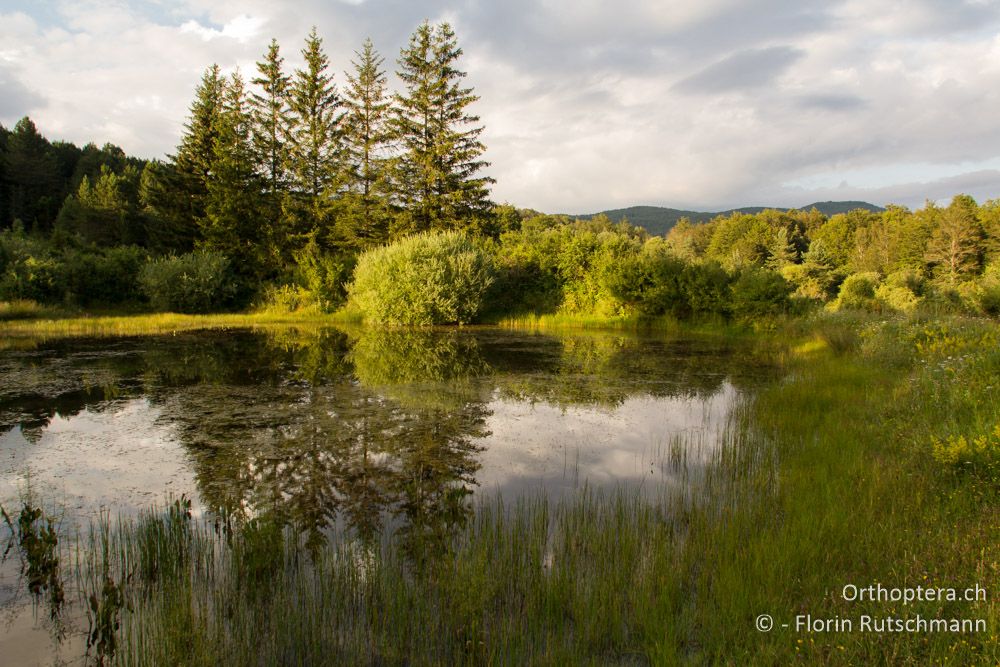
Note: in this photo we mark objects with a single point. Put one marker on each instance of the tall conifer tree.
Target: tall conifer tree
(313, 141)
(442, 154)
(196, 152)
(269, 109)
(270, 118)
(364, 212)
(32, 176)
(235, 222)
(4, 205)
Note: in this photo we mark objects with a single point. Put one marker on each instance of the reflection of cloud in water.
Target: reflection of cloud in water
(541, 446)
(120, 457)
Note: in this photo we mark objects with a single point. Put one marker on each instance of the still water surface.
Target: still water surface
(351, 429)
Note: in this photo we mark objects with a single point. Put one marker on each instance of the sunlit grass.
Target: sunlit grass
(24, 309)
(663, 325)
(160, 323)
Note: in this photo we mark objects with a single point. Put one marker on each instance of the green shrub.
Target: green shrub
(707, 288)
(989, 299)
(423, 279)
(323, 274)
(287, 299)
(901, 299)
(662, 284)
(522, 285)
(987, 295)
(28, 269)
(650, 284)
(812, 281)
(857, 292)
(760, 293)
(908, 278)
(109, 276)
(941, 300)
(196, 282)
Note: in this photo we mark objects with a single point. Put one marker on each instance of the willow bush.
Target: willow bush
(425, 279)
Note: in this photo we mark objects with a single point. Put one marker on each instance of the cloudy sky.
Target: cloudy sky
(703, 104)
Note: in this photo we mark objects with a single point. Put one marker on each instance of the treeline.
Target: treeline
(938, 258)
(279, 180)
(741, 266)
(290, 191)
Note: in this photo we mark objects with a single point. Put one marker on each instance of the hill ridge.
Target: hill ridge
(659, 220)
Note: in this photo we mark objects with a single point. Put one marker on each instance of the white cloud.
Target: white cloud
(586, 105)
(242, 28)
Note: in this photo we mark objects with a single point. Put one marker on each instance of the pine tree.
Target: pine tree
(234, 221)
(5, 219)
(364, 210)
(437, 172)
(313, 142)
(196, 153)
(32, 176)
(269, 110)
(105, 212)
(782, 250)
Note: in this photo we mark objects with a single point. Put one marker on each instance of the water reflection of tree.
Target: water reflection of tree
(422, 368)
(324, 427)
(606, 369)
(62, 379)
(323, 445)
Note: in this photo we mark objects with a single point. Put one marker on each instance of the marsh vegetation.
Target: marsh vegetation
(367, 533)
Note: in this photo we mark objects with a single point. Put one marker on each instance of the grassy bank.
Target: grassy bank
(760, 330)
(159, 323)
(850, 472)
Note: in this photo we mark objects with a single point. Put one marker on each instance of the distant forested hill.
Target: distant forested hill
(658, 220)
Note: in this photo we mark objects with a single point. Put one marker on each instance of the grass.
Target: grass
(660, 325)
(160, 323)
(826, 479)
(24, 309)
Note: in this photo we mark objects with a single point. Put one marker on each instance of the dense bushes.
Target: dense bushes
(600, 268)
(760, 293)
(67, 274)
(196, 282)
(110, 276)
(423, 279)
(661, 284)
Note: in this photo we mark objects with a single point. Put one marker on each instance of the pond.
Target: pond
(357, 430)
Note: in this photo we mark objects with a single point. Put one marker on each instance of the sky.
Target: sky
(695, 104)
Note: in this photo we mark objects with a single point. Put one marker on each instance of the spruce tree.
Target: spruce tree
(5, 218)
(234, 222)
(364, 209)
(32, 177)
(442, 154)
(313, 142)
(269, 110)
(196, 152)
(174, 194)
